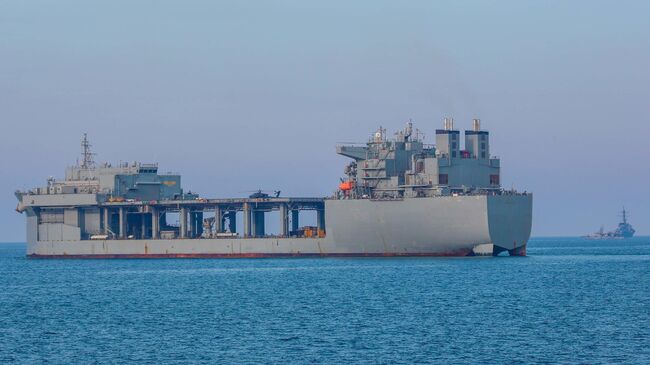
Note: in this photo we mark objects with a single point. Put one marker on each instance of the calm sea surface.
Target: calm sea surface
(569, 301)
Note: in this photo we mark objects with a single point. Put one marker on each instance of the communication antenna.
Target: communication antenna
(87, 161)
(409, 128)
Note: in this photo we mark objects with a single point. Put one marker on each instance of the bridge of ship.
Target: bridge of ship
(147, 219)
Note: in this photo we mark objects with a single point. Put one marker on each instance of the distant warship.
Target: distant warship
(624, 230)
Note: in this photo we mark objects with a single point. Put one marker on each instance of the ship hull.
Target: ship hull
(436, 226)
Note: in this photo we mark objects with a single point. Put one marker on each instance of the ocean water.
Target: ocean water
(569, 301)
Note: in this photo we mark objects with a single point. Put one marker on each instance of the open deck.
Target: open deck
(146, 219)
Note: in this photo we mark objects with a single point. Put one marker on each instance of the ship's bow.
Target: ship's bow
(510, 219)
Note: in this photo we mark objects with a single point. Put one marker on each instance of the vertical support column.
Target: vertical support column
(143, 225)
(198, 224)
(258, 223)
(284, 221)
(232, 221)
(247, 220)
(320, 219)
(183, 221)
(155, 223)
(218, 220)
(107, 221)
(295, 224)
(122, 223)
(253, 220)
(192, 229)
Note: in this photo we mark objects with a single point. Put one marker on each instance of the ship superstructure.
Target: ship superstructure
(405, 167)
(400, 197)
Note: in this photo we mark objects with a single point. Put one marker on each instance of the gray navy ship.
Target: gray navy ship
(399, 197)
(624, 230)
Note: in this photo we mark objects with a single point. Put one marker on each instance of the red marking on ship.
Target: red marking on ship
(521, 251)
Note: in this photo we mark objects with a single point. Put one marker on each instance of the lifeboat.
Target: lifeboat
(346, 185)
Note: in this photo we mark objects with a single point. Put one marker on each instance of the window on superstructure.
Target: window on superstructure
(494, 179)
(483, 154)
(443, 179)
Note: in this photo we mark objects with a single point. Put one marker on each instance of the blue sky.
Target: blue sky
(240, 95)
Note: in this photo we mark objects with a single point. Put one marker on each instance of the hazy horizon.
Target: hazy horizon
(239, 96)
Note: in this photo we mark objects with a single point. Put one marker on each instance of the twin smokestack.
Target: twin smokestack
(448, 124)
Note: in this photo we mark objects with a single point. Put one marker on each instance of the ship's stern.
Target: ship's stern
(31, 234)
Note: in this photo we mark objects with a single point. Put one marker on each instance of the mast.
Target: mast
(86, 154)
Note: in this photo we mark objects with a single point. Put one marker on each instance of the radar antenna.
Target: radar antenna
(87, 161)
(409, 128)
